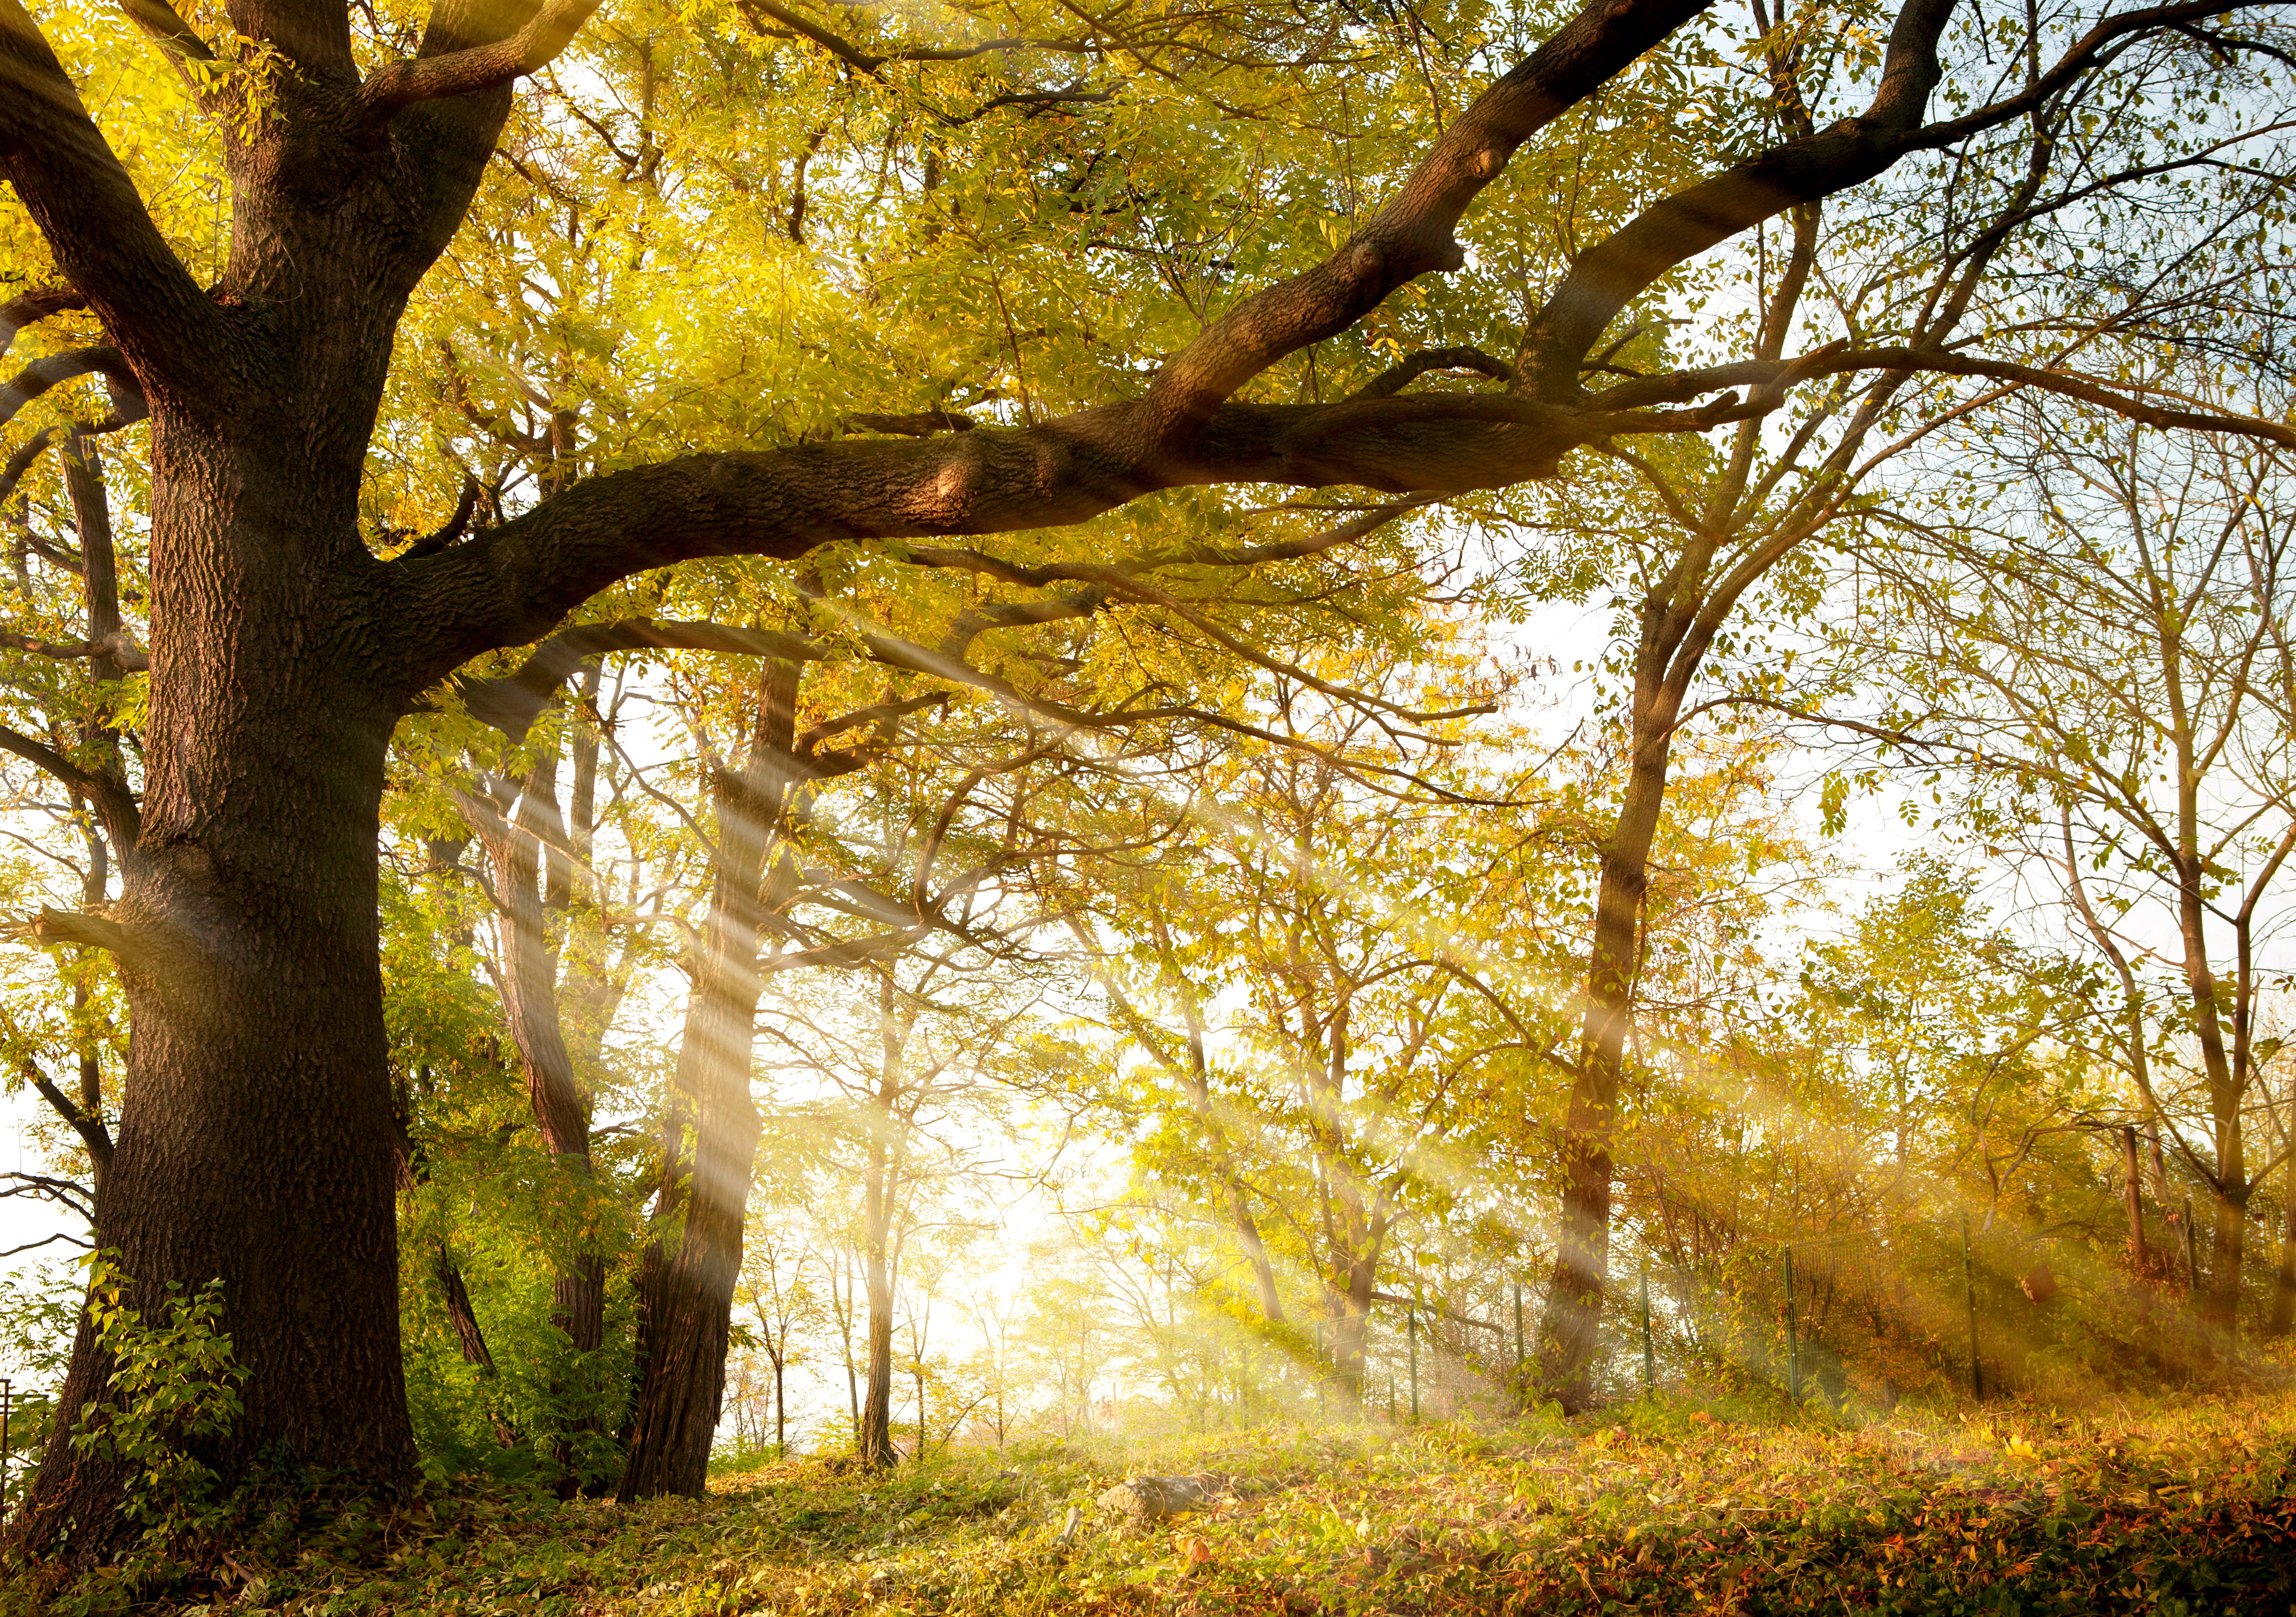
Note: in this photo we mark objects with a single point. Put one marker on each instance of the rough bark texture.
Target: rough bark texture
(686, 1285)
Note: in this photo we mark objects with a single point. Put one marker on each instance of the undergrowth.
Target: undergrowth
(1656, 1507)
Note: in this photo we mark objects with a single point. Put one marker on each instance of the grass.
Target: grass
(1657, 1507)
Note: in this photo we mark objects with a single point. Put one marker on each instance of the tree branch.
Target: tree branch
(177, 37)
(1397, 378)
(513, 702)
(90, 1129)
(397, 85)
(113, 802)
(42, 374)
(79, 930)
(86, 207)
(1607, 276)
(130, 657)
(29, 308)
(1411, 235)
(127, 408)
(1771, 378)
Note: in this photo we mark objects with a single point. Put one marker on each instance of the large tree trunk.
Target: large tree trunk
(686, 1291)
(256, 1135)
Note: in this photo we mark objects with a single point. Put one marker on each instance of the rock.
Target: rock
(1142, 1500)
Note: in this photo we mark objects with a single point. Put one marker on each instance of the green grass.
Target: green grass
(1659, 1507)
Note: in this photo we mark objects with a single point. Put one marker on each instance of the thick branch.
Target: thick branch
(397, 85)
(80, 930)
(1610, 275)
(29, 308)
(90, 1128)
(1770, 378)
(1395, 379)
(456, 526)
(114, 803)
(1603, 279)
(854, 56)
(513, 702)
(42, 374)
(127, 408)
(130, 657)
(1411, 235)
(177, 37)
(86, 207)
(923, 424)
(512, 584)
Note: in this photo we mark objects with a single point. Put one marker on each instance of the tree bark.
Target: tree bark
(255, 1138)
(687, 1276)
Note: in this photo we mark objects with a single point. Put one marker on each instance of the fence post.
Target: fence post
(1649, 1360)
(1411, 1329)
(1968, 1292)
(1323, 1375)
(1518, 1336)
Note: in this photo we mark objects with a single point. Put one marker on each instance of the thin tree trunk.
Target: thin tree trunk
(516, 834)
(686, 1291)
(2132, 1196)
(874, 1439)
(2283, 1280)
(1574, 1299)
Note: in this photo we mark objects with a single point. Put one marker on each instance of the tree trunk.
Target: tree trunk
(1574, 1300)
(780, 1410)
(517, 832)
(686, 1291)
(874, 1441)
(2132, 1196)
(2227, 1261)
(2284, 1278)
(1351, 1333)
(256, 1135)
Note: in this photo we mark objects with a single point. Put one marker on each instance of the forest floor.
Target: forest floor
(1665, 1506)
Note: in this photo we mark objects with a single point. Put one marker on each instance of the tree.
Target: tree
(1715, 538)
(287, 642)
(2098, 660)
(1376, 948)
